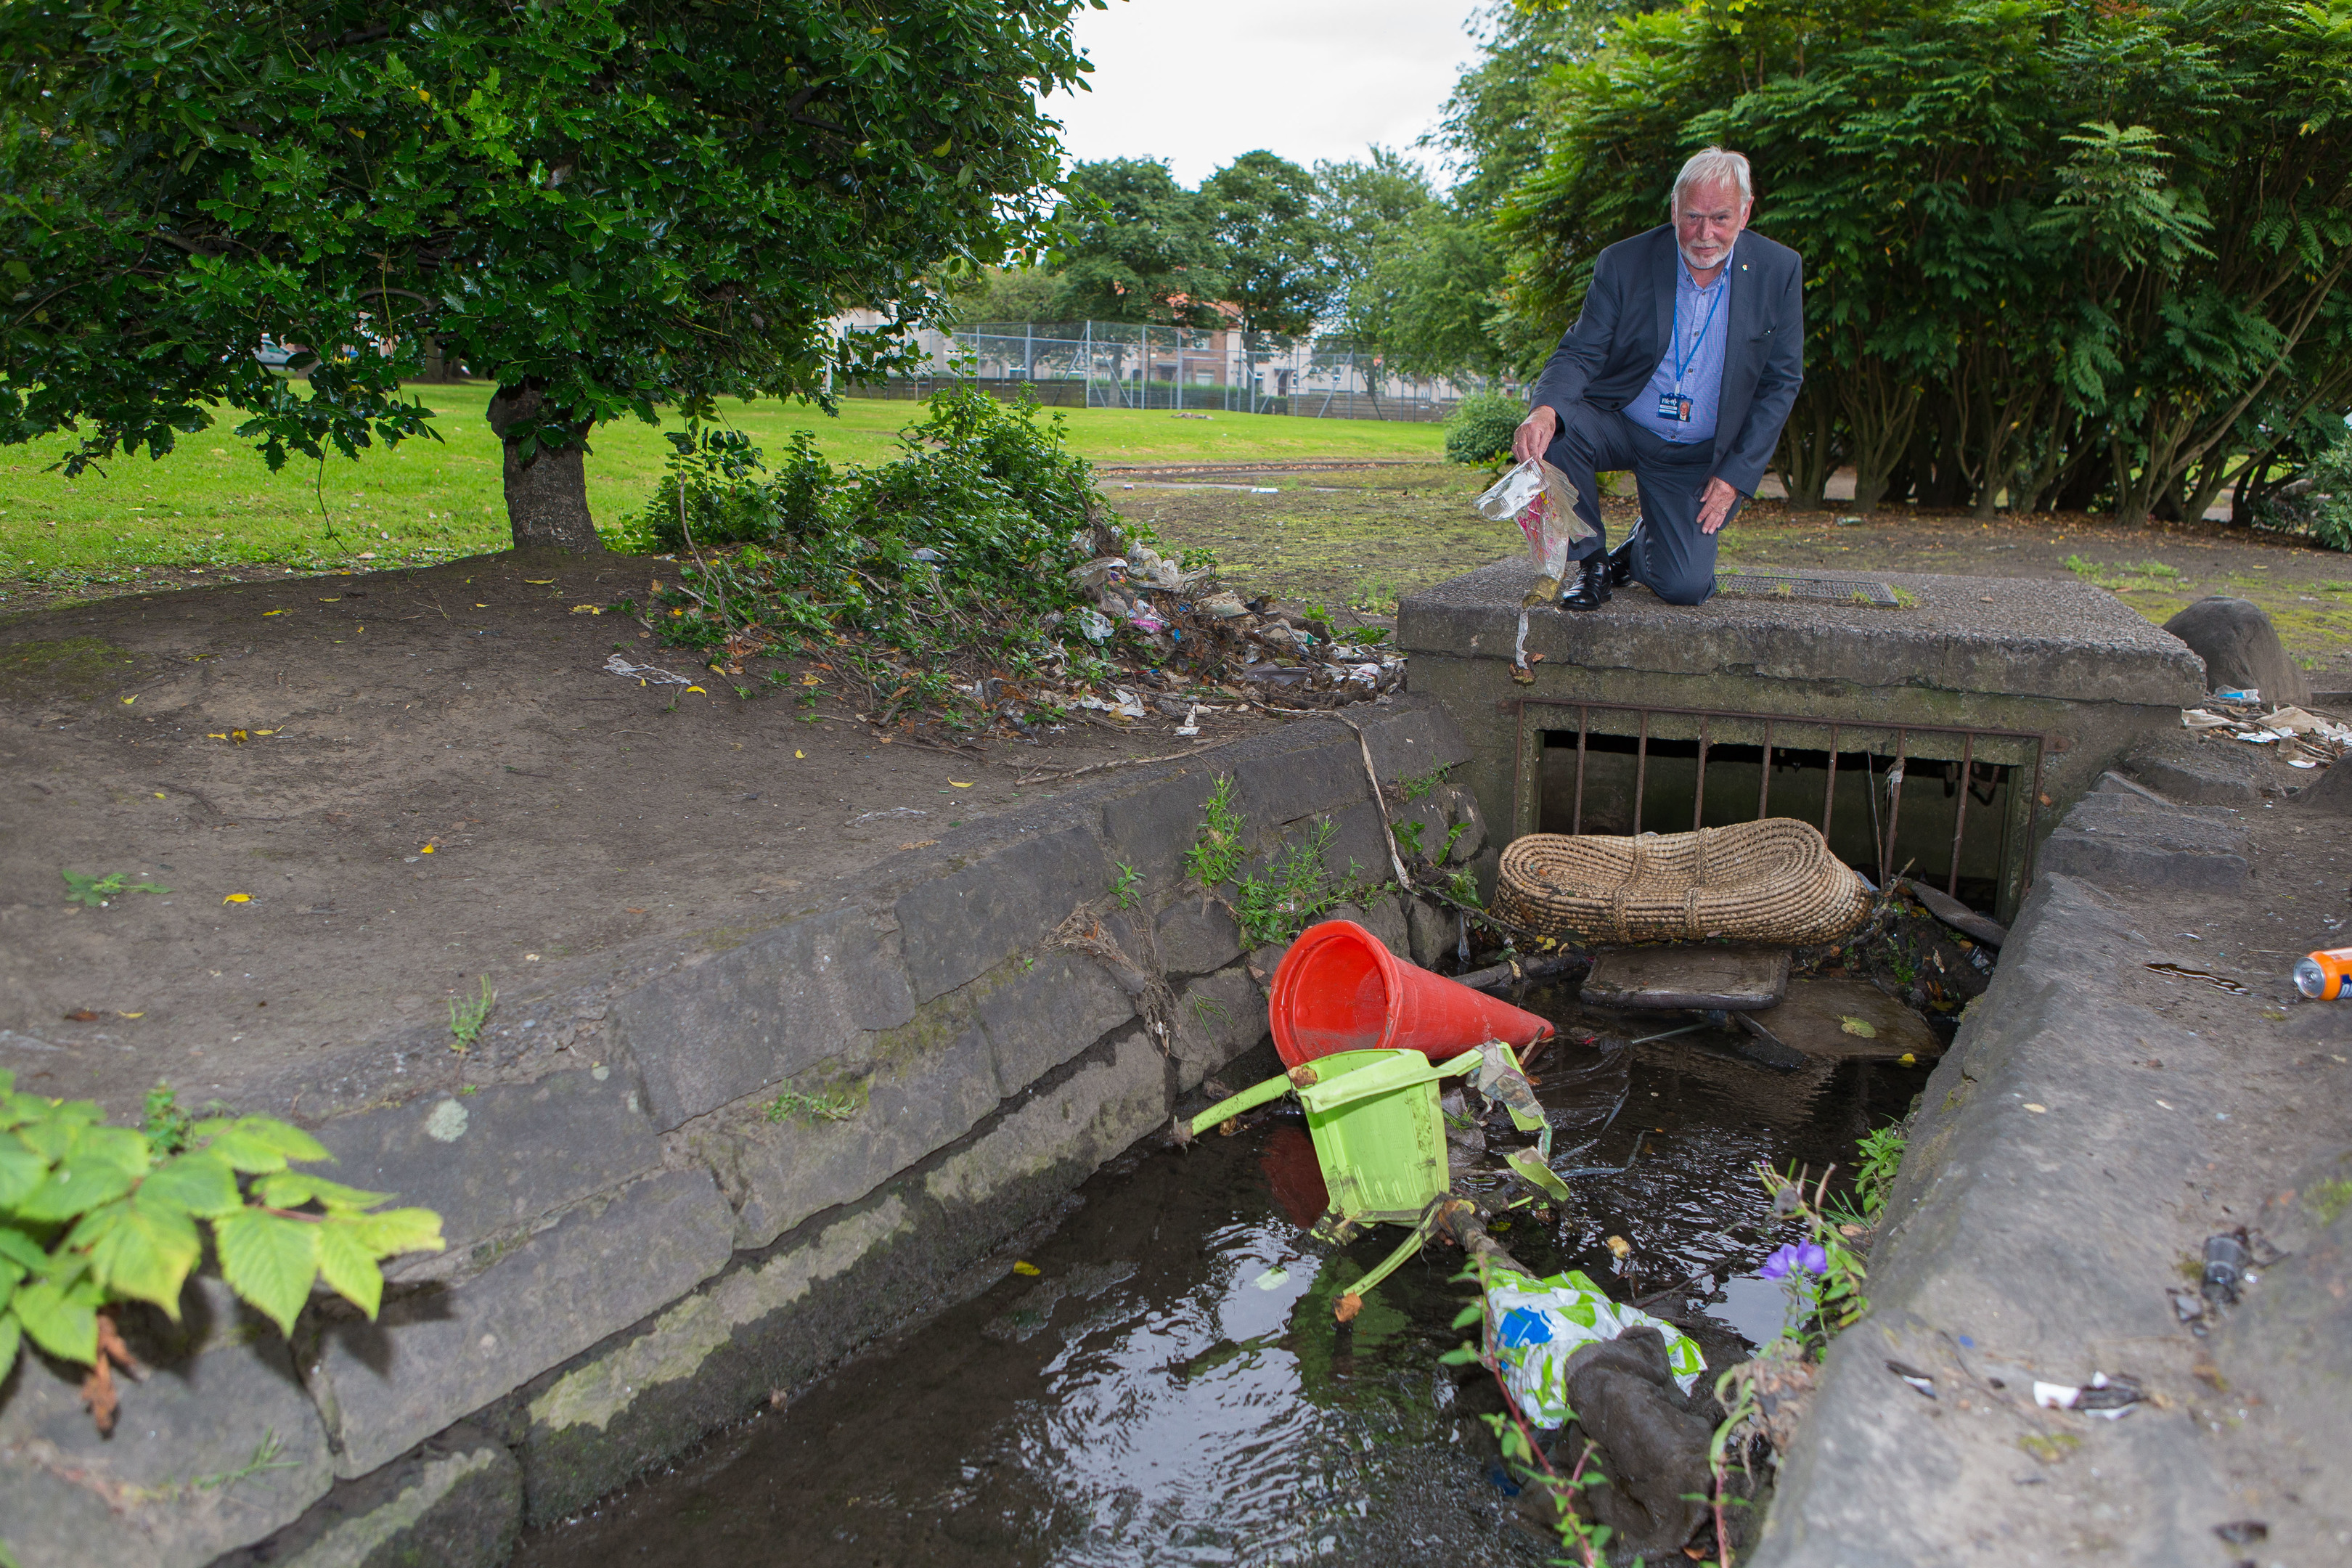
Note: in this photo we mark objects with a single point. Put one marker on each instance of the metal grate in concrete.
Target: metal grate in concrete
(1780, 585)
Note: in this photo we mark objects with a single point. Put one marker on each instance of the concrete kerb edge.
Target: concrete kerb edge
(873, 1260)
(1958, 1252)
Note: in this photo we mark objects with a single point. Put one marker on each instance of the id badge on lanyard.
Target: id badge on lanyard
(1676, 404)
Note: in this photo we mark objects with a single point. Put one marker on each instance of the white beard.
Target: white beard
(1696, 265)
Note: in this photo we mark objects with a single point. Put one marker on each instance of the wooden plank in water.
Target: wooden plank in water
(1733, 979)
(1828, 1020)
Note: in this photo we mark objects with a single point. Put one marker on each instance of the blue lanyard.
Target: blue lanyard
(1714, 299)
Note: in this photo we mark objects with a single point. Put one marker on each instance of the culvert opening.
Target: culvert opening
(1954, 808)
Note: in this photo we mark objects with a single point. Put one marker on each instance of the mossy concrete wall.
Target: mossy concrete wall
(650, 1240)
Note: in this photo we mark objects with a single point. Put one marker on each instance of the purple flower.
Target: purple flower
(1809, 1259)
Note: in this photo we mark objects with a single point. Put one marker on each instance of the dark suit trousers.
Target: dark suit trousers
(1671, 557)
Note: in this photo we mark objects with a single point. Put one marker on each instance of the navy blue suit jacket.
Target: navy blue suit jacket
(1609, 356)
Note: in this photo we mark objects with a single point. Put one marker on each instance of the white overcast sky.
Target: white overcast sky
(1196, 83)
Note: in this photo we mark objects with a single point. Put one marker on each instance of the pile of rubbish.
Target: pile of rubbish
(2305, 740)
(1149, 612)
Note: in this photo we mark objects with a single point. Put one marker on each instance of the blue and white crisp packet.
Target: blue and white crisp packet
(1539, 1324)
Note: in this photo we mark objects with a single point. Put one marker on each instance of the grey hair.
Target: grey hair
(1711, 166)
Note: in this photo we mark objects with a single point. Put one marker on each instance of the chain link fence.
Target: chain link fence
(1119, 364)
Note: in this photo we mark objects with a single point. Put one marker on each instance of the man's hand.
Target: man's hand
(1714, 502)
(1535, 433)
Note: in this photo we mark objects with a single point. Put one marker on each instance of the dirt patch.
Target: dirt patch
(79, 667)
(364, 793)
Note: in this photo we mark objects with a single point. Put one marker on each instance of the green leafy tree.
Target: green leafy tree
(2056, 254)
(1271, 242)
(92, 1217)
(603, 206)
(1365, 210)
(1442, 282)
(1010, 294)
(1138, 248)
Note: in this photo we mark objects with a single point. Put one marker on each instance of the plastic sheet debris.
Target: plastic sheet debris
(2109, 1398)
(2304, 738)
(1924, 1382)
(1542, 501)
(1125, 704)
(1540, 1324)
(646, 672)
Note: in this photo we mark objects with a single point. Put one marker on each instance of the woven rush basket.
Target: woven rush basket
(1770, 881)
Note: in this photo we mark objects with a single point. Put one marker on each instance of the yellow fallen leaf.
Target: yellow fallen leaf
(697, 689)
(1619, 1247)
(587, 609)
(1907, 1059)
(959, 785)
(266, 614)
(1030, 1269)
(264, 731)
(1861, 1027)
(803, 755)
(129, 700)
(811, 680)
(216, 735)
(540, 582)
(122, 1015)
(239, 736)
(426, 850)
(159, 794)
(238, 899)
(481, 607)
(336, 600)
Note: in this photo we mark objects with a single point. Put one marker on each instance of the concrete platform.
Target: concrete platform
(2048, 680)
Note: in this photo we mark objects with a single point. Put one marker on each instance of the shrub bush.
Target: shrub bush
(919, 577)
(2322, 509)
(1479, 430)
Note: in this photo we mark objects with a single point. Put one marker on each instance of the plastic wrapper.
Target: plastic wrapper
(1539, 1324)
(1542, 500)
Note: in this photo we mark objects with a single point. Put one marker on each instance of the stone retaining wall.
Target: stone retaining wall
(640, 1252)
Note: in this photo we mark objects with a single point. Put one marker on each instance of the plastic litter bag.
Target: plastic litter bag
(1539, 1324)
(1539, 499)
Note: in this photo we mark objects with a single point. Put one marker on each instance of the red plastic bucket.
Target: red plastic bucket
(1341, 989)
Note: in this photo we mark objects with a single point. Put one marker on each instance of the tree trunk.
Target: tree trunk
(546, 487)
(1880, 408)
(1806, 455)
(437, 367)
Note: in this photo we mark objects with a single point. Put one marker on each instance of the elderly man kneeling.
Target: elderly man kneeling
(1681, 367)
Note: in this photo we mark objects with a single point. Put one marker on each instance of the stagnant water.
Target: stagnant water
(1170, 1388)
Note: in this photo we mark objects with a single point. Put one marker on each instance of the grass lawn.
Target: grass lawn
(214, 504)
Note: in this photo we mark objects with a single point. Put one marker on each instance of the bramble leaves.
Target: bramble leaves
(89, 1217)
(269, 1259)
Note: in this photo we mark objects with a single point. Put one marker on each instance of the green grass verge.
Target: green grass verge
(213, 502)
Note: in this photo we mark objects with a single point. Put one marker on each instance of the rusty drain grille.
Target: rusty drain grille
(1781, 585)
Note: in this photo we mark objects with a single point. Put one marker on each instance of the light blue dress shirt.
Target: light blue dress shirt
(1702, 327)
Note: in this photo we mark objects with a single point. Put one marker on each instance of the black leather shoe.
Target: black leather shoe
(1620, 559)
(1591, 587)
